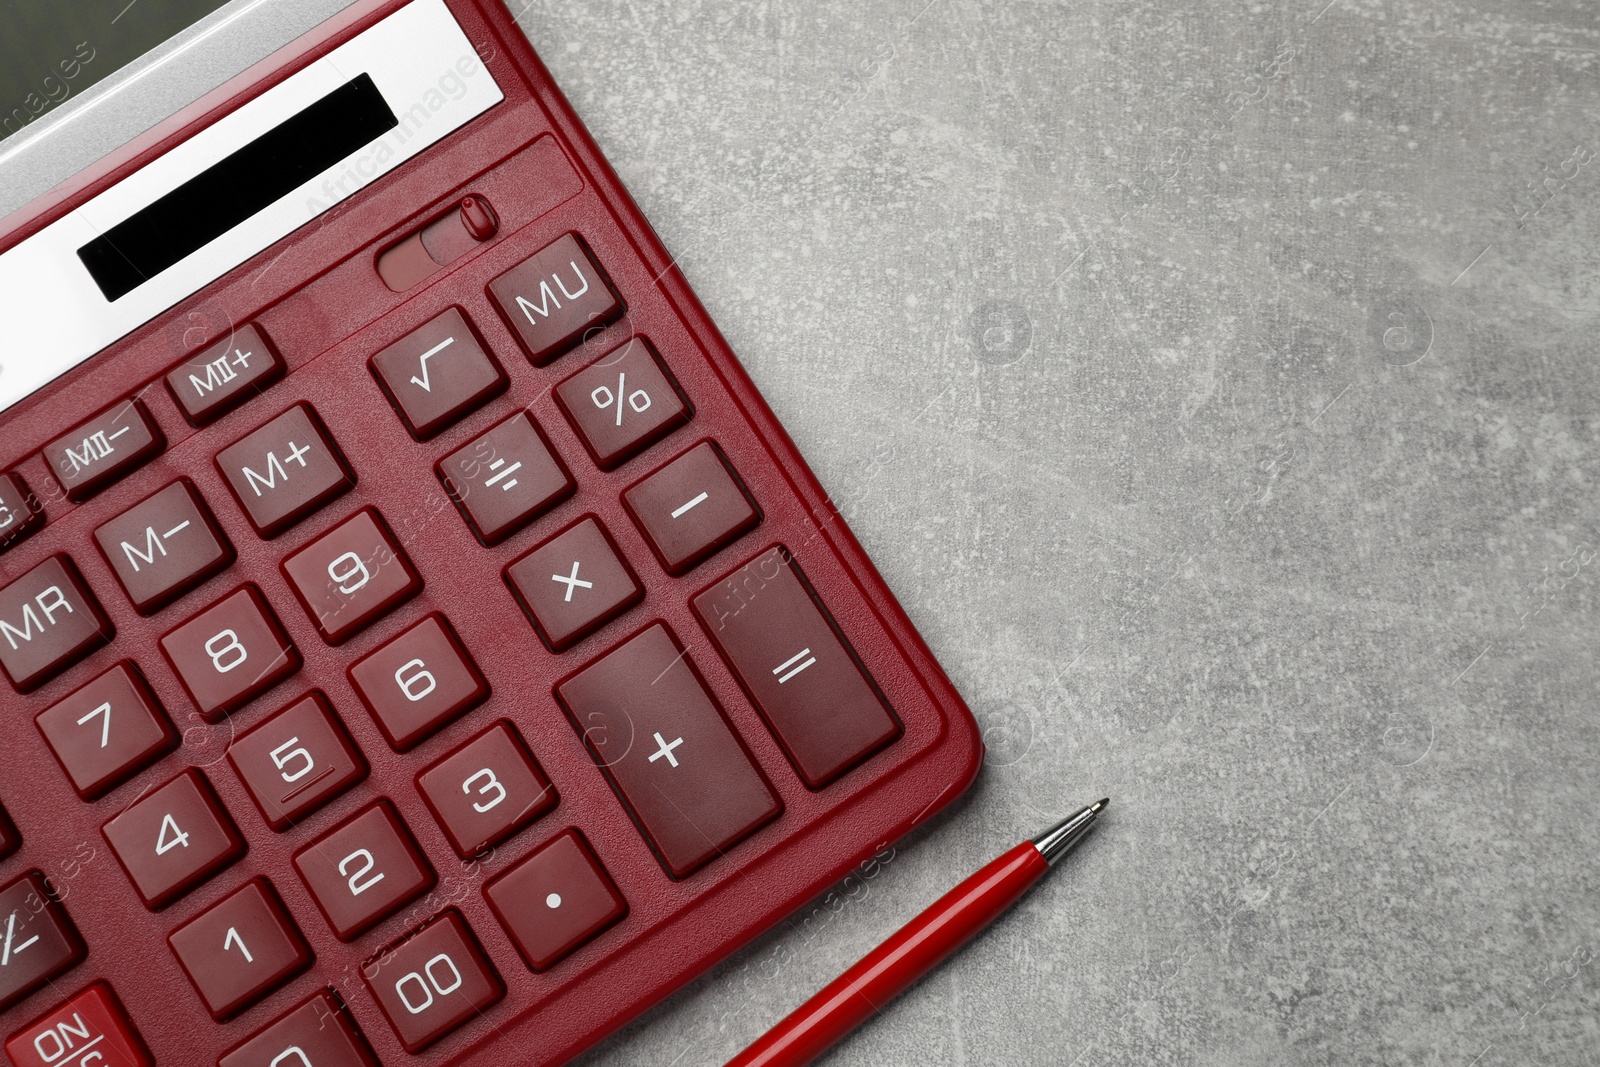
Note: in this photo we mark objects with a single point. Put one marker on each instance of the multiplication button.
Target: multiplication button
(573, 583)
(505, 479)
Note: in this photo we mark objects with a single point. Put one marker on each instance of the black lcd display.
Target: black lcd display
(227, 193)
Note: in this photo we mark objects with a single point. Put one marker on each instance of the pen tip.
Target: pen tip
(1100, 805)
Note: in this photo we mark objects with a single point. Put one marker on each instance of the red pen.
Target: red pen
(917, 948)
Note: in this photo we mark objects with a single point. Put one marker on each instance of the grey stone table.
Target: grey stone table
(1216, 386)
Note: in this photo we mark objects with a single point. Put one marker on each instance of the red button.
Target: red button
(90, 1030)
(692, 508)
(219, 378)
(623, 402)
(573, 584)
(433, 981)
(21, 514)
(318, 1033)
(230, 653)
(174, 838)
(37, 940)
(555, 299)
(100, 451)
(418, 682)
(285, 470)
(364, 871)
(486, 790)
(505, 479)
(240, 949)
(48, 621)
(555, 900)
(437, 373)
(164, 546)
(10, 840)
(297, 761)
(670, 754)
(108, 731)
(351, 576)
(796, 667)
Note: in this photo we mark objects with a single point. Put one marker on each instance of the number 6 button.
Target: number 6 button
(171, 840)
(297, 761)
(364, 871)
(239, 950)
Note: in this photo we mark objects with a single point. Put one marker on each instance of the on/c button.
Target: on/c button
(91, 1028)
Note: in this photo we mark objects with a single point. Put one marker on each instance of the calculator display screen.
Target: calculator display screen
(52, 50)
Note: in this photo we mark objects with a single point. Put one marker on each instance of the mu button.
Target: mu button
(554, 298)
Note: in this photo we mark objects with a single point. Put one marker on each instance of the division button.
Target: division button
(285, 470)
(111, 444)
(48, 621)
(655, 731)
(623, 402)
(230, 653)
(21, 514)
(37, 940)
(173, 838)
(107, 731)
(318, 1032)
(164, 546)
(487, 790)
(555, 298)
(798, 670)
(692, 508)
(505, 479)
(418, 682)
(240, 949)
(224, 375)
(555, 900)
(364, 870)
(89, 1030)
(437, 373)
(352, 575)
(433, 981)
(296, 761)
(573, 583)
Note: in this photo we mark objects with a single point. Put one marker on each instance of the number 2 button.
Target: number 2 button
(173, 839)
(239, 950)
(364, 871)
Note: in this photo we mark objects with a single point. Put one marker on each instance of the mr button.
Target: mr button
(554, 298)
(48, 621)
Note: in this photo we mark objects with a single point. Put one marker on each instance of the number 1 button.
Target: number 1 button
(171, 840)
(239, 950)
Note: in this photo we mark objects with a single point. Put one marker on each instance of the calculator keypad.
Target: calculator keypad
(240, 949)
(164, 546)
(418, 682)
(437, 373)
(364, 871)
(297, 761)
(224, 375)
(622, 402)
(89, 1030)
(661, 739)
(107, 731)
(555, 900)
(319, 1033)
(230, 653)
(432, 982)
(37, 940)
(573, 583)
(49, 620)
(555, 298)
(97, 453)
(505, 479)
(691, 508)
(285, 470)
(21, 514)
(487, 790)
(351, 576)
(173, 838)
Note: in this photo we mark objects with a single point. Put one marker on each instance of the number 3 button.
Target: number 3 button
(364, 871)
(487, 790)
(296, 761)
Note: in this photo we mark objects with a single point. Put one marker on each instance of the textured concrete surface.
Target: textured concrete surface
(1215, 384)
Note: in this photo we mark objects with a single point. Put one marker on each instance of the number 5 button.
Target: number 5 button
(487, 790)
(171, 840)
(297, 761)
(364, 871)
(239, 950)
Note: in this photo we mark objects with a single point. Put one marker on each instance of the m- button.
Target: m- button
(165, 546)
(285, 470)
(48, 621)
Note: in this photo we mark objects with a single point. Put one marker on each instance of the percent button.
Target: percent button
(623, 402)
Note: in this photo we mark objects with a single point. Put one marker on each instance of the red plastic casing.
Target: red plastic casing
(319, 298)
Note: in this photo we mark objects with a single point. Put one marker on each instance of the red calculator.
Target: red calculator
(421, 642)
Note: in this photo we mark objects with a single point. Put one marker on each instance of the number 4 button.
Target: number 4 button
(174, 838)
(239, 950)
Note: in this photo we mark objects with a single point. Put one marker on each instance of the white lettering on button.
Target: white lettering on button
(666, 750)
(153, 543)
(553, 901)
(48, 602)
(501, 475)
(543, 307)
(424, 381)
(690, 506)
(96, 446)
(790, 662)
(276, 468)
(573, 582)
(12, 949)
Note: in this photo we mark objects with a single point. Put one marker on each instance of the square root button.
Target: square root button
(658, 735)
(796, 667)
(437, 373)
